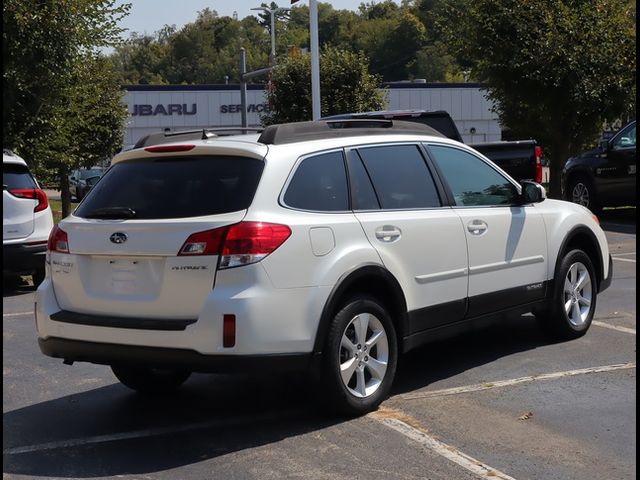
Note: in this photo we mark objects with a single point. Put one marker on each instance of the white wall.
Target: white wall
(466, 105)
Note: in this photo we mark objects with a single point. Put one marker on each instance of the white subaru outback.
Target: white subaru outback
(332, 246)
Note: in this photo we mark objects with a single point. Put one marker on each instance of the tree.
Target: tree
(554, 68)
(62, 101)
(346, 86)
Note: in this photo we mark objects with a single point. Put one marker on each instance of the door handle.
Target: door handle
(388, 233)
(477, 227)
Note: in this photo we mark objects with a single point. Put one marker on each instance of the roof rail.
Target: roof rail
(318, 130)
(198, 134)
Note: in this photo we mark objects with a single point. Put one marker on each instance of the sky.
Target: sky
(151, 15)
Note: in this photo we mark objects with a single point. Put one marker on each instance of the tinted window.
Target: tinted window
(177, 187)
(472, 181)
(400, 177)
(363, 195)
(319, 184)
(17, 176)
(626, 138)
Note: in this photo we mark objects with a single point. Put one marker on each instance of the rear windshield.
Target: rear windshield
(16, 176)
(176, 187)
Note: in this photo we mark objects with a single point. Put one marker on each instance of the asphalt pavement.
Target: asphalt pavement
(502, 403)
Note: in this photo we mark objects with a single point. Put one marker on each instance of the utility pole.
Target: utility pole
(272, 13)
(315, 60)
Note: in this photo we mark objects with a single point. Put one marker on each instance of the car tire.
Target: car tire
(360, 357)
(149, 380)
(582, 192)
(573, 303)
(38, 277)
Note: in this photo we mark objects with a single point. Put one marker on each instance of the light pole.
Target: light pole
(272, 13)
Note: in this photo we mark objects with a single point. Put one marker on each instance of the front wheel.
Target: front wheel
(573, 304)
(147, 380)
(360, 357)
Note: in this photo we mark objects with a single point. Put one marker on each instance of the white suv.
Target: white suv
(330, 245)
(26, 220)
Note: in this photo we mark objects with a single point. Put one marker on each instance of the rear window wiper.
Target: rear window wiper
(111, 213)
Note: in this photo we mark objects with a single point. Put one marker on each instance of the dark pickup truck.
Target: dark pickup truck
(521, 159)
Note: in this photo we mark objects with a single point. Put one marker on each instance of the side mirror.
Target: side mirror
(604, 145)
(73, 179)
(532, 192)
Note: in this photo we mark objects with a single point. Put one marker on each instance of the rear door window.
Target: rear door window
(400, 177)
(16, 176)
(176, 187)
(319, 184)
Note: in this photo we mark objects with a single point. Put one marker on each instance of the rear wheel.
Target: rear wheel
(150, 380)
(360, 357)
(38, 277)
(571, 309)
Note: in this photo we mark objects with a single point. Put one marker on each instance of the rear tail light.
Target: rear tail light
(538, 154)
(170, 148)
(33, 194)
(58, 240)
(240, 244)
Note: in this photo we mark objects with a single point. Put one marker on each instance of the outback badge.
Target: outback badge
(118, 237)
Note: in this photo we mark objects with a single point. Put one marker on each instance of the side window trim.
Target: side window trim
(293, 171)
(351, 154)
(450, 195)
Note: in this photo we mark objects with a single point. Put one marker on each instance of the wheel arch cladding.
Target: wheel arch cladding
(372, 280)
(583, 238)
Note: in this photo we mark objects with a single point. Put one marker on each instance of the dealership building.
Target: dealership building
(155, 108)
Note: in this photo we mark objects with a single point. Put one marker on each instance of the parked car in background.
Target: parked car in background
(309, 247)
(26, 220)
(83, 188)
(606, 175)
(521, 159)
(78, 184)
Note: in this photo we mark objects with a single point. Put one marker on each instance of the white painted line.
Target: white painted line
(623, 259)
(17, 314)
(467, 462)
(506, 383)
(621, 254)
(151, 432)
(614, 327)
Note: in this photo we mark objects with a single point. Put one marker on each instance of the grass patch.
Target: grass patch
(56, 208)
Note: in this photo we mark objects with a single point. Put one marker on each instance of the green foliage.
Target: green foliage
(346, 86)
(393, 37)
(62, 101)
(554, 68)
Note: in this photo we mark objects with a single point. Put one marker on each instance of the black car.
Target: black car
(606, 175)
(79, 183)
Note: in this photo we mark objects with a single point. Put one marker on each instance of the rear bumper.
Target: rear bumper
(112, 354)
(23, 257)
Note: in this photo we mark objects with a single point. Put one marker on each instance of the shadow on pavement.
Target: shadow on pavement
(620, 220)
(214, 415)
(15, 286)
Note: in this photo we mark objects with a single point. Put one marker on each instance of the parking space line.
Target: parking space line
(515, 381)
(623, 259)
(621, 254)
(16, 314)
(152, 432)
(395, 420)
(614, 327)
